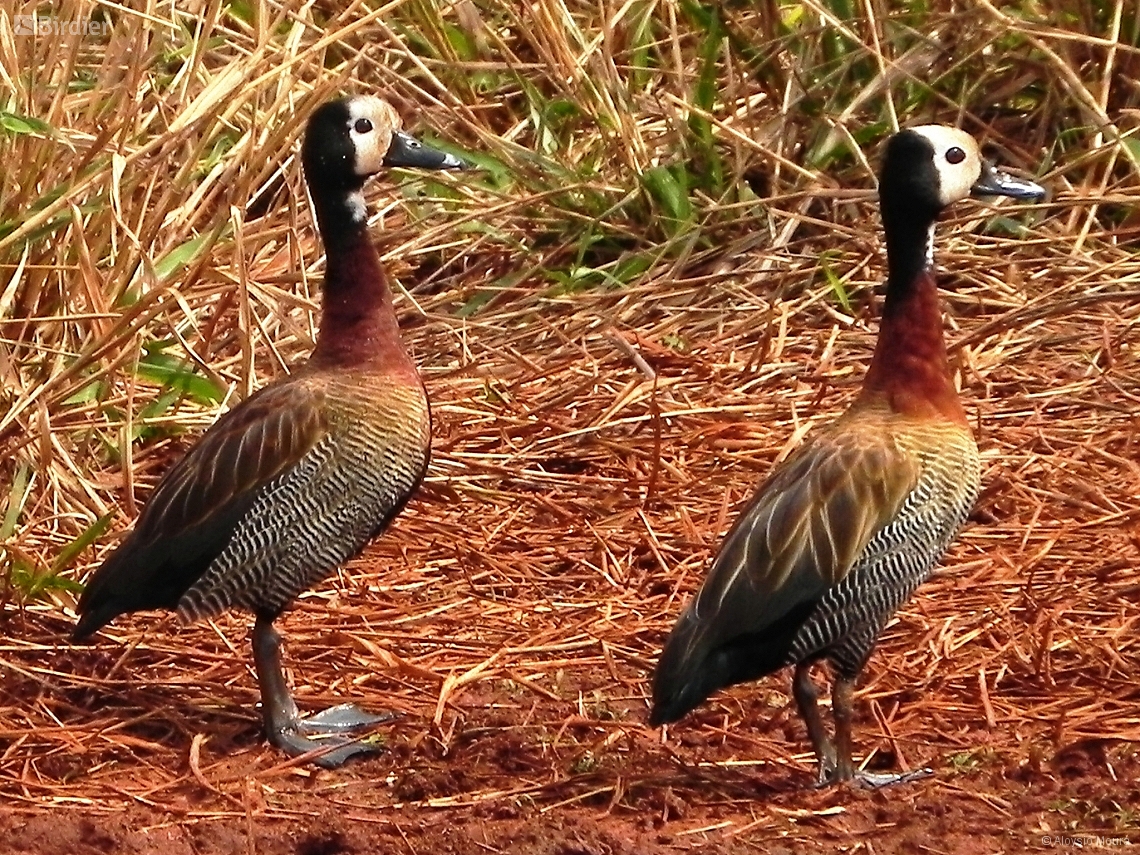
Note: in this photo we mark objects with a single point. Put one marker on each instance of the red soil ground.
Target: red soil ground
(513, 613)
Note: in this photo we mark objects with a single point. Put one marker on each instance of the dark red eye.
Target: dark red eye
(363, 126)
(955, 155)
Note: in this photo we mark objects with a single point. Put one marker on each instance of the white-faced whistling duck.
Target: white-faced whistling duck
(843, 531)
(297, 478)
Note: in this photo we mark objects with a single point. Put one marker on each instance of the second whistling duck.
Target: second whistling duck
(844, 530)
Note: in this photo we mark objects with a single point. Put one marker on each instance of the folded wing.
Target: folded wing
(195, 509)
(800, 535)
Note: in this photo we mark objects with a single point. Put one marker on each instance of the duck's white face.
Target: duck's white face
(956, 159)
(371, 123)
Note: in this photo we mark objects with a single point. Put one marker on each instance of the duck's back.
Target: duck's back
(830, 546)
(280, 491)
(324, 509)
(848, 617)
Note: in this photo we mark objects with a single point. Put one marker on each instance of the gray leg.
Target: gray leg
(284, 726)
(842, 698)
(804, 691)
(842, 704)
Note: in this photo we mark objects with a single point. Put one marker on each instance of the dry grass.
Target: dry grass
(661, 280)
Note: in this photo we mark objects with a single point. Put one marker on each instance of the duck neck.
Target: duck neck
(358, 321)
(910, 369)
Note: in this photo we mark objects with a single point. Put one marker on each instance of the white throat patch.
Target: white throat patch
(356, 206)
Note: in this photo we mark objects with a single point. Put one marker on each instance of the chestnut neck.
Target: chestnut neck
(358, 321)
(910, 370)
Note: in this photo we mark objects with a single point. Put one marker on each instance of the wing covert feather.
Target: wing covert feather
(249, 446)
(803, 530)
